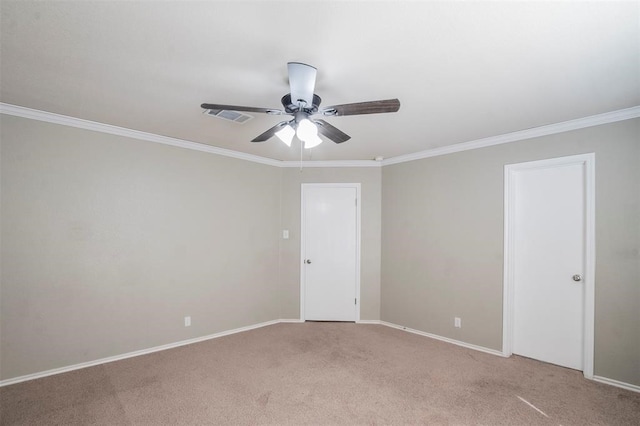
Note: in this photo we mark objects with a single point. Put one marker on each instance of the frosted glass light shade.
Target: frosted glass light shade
(308, 133)
(286, 134)
(311, 142)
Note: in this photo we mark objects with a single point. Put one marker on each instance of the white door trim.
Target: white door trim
(590, 248)
(302, 242)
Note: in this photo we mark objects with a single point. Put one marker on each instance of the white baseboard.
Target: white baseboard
(605, 380)
(14, 380)
(368, 322)
(616, 383)
(60, 370)
(445, 339)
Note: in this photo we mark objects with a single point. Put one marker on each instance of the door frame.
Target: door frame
(302, 242)
(588, 160)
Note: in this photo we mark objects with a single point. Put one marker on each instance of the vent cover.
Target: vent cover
(236, 116)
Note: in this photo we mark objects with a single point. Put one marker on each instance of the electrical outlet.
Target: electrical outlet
(457, 322)
(187, 321)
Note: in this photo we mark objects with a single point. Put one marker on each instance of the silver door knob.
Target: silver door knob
(577, 277)
(307, 261)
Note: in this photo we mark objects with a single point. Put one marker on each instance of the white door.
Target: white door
(549, 263)
(330, 268)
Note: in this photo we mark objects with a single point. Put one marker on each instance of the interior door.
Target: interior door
(329, 252)
(549, 264)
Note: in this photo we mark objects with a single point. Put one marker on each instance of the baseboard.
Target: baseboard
(61, 370)
(605, 380)
(33, 376)
(445, 339)
(616, 383)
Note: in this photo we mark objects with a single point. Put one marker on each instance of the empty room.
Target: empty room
(319, 212)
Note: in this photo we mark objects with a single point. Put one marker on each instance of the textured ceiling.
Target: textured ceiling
(462, 70)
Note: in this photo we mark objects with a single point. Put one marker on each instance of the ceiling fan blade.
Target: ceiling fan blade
(331, 132)
(269, 133)
(371, 107)
(302, 81)
(220, 107)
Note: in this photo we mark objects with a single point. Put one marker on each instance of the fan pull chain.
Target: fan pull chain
(301, 149)
(300, 108)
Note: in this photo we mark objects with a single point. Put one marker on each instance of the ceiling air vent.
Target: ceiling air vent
(236, 116)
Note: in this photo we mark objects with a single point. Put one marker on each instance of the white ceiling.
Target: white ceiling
(462, 70)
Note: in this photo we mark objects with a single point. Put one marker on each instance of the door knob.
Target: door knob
(307, 261)
(577, 277)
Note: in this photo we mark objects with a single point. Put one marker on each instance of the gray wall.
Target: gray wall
(442, 241)
(107, 243)
(370, 187)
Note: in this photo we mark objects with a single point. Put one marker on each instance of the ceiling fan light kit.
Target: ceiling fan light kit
(286, 135)
(308, 133)
(302, 103)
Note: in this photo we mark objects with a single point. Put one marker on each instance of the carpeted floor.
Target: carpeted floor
(319, 373)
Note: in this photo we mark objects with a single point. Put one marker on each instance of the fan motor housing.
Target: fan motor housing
(291, 108)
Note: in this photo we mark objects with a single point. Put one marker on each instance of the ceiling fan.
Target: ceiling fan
(302, 104)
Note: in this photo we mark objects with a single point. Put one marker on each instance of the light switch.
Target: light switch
(285, 234)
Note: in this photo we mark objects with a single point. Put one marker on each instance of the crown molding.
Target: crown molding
(64, 120)
(550, 129)
(333, 163)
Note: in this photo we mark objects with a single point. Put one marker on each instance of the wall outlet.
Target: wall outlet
(457, 322)
(187, 321)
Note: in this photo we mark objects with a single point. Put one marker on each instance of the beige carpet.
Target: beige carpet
(319, 373)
